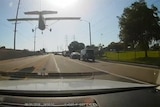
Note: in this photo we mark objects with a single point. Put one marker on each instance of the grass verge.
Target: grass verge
(133, 57)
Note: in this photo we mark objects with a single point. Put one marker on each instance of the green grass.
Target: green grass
(136, 57)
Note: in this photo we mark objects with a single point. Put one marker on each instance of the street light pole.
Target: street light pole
(89, 30)
(35, 38)
(101, 39)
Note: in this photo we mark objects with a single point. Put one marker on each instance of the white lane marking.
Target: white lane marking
(111, 73)
(56, 64)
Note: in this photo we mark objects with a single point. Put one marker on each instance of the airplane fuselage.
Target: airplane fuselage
(41, 23)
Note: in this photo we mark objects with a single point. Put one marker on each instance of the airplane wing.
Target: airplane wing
(40, 12)
(63, 18)
(24, 19)
(49, 12)
(32, 12)
(49, 18)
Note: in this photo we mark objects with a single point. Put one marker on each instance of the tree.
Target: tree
(2, 47)
(139, 25)
(100, 49)
(42, 50)
(76, 46)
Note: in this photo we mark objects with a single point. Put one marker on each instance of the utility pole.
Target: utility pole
(15, 29)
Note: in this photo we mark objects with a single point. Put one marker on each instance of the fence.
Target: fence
(130, 55)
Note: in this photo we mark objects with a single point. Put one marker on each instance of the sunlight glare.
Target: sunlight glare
(63, 3)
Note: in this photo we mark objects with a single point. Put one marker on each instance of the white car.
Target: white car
(75, 55)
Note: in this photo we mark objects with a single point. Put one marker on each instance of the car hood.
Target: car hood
(65, 84)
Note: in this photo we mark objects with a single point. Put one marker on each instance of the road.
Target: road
(58, 64)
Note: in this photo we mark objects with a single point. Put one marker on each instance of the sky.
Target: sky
(102, 15)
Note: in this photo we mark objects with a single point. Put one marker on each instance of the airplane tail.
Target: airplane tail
(40, 12)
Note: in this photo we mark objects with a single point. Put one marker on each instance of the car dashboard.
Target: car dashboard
(145, 97)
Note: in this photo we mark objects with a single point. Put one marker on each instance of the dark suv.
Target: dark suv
(87, 54)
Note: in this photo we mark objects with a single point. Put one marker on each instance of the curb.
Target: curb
(129, 63)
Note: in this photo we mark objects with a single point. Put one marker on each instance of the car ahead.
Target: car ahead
(87, 54)
(75, 55)
(66, 53)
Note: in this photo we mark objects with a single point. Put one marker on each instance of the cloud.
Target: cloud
(10, 4)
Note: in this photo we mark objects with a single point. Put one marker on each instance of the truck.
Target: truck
(87, 54)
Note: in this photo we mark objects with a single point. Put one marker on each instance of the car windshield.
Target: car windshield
(115, 41)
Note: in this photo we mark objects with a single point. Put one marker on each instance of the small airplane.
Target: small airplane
(41, 19)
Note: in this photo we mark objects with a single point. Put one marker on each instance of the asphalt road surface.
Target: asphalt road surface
(58, 64)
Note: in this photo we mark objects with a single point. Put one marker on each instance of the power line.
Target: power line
(5, 25)
(155, 1)
(105, 17)
(53, 23)
(23, 37)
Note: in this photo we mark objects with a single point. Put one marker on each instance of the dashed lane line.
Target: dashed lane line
(56, 64)
(110, 72)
